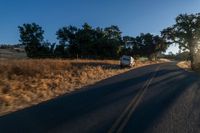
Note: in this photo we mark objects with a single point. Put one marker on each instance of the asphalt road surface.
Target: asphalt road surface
(159, 98)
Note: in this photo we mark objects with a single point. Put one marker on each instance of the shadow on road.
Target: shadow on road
(117, 90)
(163, 94)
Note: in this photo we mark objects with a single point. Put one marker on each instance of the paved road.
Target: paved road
(159, 98)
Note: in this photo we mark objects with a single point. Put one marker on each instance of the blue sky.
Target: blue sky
(132, 16)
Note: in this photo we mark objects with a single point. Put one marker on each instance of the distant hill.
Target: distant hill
(12, 53)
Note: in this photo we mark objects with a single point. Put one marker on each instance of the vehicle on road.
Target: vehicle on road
(127, 61)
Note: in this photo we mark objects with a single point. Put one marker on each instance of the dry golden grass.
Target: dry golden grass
(185, 65)
(27, 82)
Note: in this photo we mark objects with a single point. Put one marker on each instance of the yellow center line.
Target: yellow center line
(125, 116)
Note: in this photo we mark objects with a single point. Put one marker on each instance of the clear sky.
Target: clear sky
(132, 16)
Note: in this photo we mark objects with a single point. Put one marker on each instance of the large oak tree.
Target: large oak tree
(186, 33)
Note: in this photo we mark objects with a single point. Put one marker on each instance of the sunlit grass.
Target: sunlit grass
(185, 65)
(30, 81)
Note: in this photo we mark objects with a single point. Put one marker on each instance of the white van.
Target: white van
(127, 61)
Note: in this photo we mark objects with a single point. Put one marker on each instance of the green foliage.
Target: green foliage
(67, 39)
(186, 33)
(183, 56)
(89, 42)
(31, 35)
(146, 45)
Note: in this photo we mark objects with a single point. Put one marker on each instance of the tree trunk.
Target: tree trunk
(195, 59)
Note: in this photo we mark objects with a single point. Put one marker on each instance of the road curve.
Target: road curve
(159, 98)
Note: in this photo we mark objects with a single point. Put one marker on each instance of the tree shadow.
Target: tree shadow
(152, 109)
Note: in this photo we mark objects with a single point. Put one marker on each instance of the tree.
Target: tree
(89, 42)
(150, 46)
(186, 33)
(138, 47)
(160, 45)
(183, 56)
(128, 44)
(113, 41)
(85, 39)
(67, 37)
(79, 42)
(31, 35)
(128, 41)
(113, 32)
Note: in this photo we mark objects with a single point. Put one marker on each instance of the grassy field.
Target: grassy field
(25, 82)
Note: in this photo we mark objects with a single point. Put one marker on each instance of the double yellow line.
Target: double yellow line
(121, 122)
